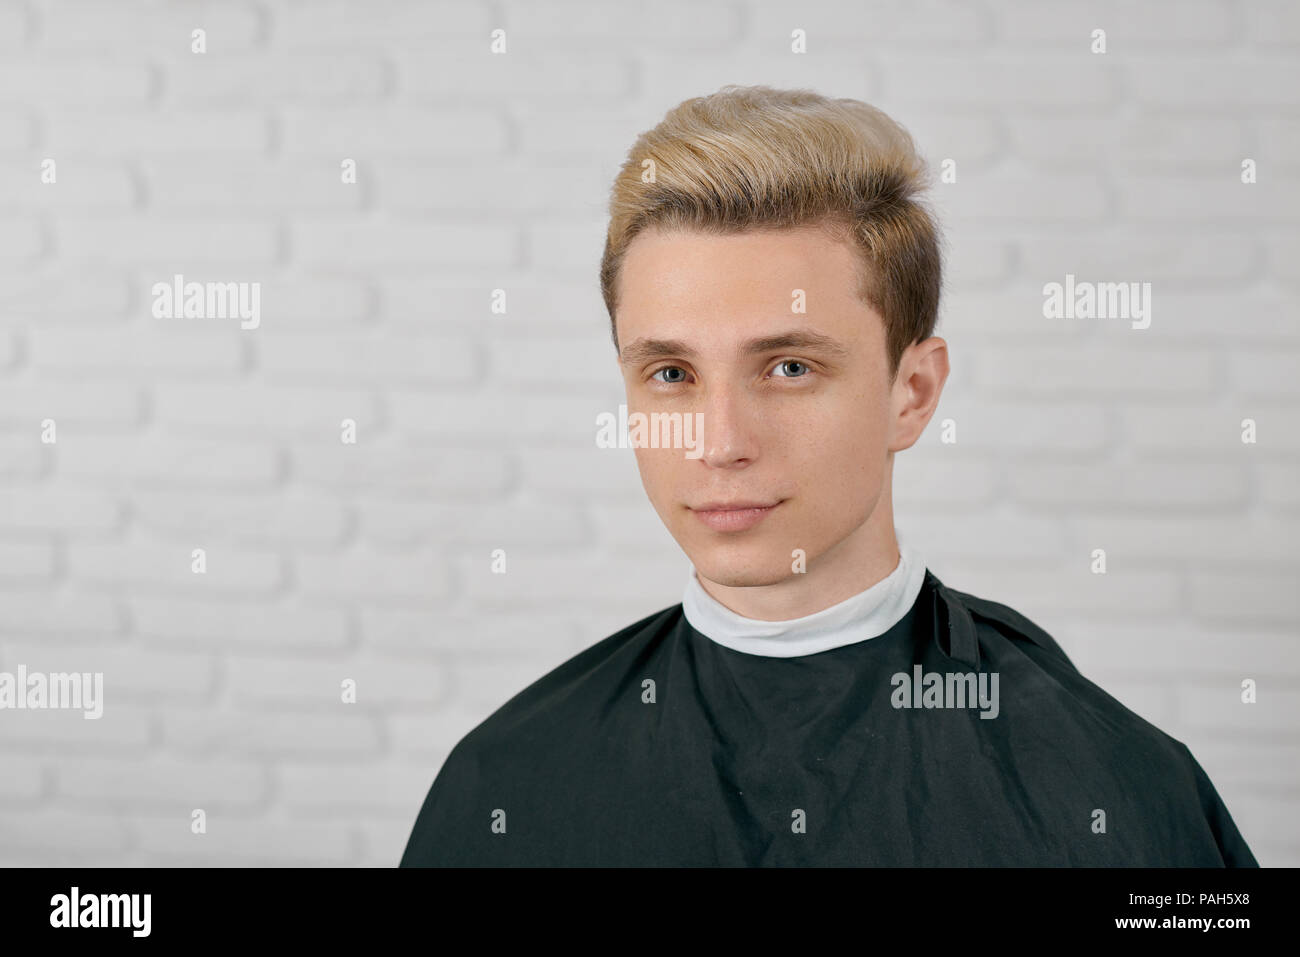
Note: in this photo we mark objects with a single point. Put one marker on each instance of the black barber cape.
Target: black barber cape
(659, 747)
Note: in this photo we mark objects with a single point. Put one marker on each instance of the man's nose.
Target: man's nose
(728, 436)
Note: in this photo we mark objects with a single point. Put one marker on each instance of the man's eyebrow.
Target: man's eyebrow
(643, 350)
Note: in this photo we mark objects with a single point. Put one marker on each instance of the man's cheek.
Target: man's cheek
(658, 467)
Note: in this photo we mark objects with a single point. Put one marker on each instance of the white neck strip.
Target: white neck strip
(867, 614)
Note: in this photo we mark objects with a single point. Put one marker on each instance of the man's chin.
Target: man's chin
(737, 572)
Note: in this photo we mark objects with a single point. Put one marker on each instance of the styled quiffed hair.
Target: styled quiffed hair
(754, 157)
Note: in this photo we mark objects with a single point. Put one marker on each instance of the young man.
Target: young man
(818, 697)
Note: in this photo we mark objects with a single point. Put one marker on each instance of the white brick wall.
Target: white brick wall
(329, 561)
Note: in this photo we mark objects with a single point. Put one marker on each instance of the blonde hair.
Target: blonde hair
(754, 157)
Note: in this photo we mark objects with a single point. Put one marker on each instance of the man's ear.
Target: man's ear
(922, 372)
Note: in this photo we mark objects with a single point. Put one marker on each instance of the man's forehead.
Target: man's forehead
(768, 257)
(736, 279)
(716, 294)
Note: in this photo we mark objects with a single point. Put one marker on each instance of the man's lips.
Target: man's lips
(734, 516)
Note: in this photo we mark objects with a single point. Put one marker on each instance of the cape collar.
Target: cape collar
(868, 614)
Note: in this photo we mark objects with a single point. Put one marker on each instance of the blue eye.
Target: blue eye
(675, 375)
(670, 369)
(792, 362)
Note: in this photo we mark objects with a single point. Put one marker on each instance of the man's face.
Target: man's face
(805, 427)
